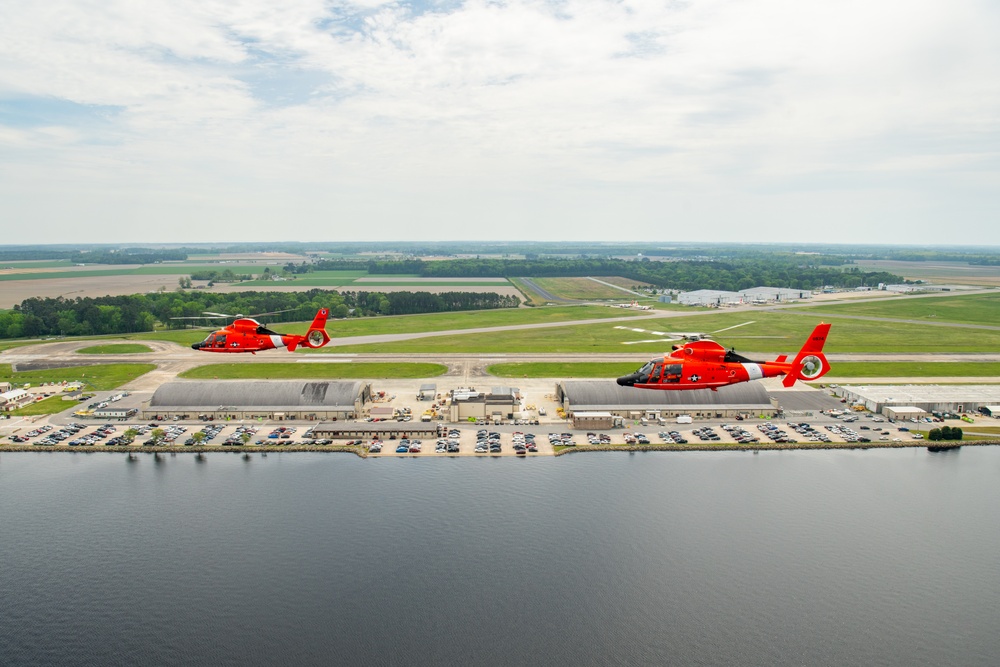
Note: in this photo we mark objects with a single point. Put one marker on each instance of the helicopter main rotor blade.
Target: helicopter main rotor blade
(273, 312)
(735, 326)
(211, 314)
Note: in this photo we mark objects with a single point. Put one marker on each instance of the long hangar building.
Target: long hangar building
(263, 399)
(603, 396)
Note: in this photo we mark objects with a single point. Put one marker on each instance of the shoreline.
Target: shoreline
(363, 453)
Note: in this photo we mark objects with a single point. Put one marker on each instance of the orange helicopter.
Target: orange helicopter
(704, 364)
(246, 334)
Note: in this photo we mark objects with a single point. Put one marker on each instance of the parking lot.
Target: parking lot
(462, 439)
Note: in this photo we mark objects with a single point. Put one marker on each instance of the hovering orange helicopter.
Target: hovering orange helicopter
(246, 334)
(704, 364)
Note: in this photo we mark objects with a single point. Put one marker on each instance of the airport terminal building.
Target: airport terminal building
(259, 399)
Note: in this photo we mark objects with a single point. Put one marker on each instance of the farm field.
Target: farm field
(771, 333)
(100, 377)
(963, 308)
(960, 273)
(320, 371)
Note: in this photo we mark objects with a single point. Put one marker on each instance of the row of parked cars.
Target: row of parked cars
(563, 439)
(740, 434)
(524, 443)
(672, 437)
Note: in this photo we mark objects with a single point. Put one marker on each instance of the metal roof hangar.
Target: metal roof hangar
(259, 399)
(928, 397)
(632, 403)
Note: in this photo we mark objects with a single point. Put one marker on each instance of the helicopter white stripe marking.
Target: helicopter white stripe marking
(754, 371)
(276, 341)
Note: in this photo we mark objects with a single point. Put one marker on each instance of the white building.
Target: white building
(775, 294)
(708, 297)
(14, 399)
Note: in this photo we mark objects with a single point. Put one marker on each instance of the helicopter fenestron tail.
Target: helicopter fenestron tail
(810, 363)
(316, 336)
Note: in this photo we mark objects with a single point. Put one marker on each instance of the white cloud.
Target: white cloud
(661, 118)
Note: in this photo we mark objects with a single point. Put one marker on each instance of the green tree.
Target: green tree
(934, 434)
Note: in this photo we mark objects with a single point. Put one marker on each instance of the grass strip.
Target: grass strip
(319, 371)
(116, 348)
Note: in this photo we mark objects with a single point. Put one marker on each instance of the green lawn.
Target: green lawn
(852, 369)
(965, 309)
(367, 326)
(771, 333)
(582, 288)
(46, 406)
(890, 369)
(557, 370)
(183, 337)
(100, 377)
(116, 348)
(315, 371)
(531, 296)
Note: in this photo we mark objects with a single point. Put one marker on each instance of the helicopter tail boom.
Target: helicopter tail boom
(810, 363)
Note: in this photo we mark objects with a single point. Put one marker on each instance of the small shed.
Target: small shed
(904, 412)
(990, 410)
(593, 420)
(427, 392)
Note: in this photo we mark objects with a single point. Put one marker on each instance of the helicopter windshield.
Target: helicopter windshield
(209, 340)
(643, 373)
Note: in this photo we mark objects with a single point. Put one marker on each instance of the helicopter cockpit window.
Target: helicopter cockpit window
(209, 340)
(644, 372)
(220, 340)
(672, 372)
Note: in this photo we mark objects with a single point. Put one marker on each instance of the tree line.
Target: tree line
(720, 274)
(86, 316)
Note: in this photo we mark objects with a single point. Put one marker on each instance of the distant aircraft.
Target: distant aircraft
(246, 334)
(634, 304)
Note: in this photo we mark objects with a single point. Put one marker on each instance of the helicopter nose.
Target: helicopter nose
(627, 380)
(196, 346)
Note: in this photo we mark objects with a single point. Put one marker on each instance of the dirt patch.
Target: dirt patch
(15, 291)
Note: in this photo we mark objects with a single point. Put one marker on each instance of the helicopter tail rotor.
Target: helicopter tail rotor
(810, 363)
(317, 335)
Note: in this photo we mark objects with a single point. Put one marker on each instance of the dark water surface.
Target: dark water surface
(887, 557)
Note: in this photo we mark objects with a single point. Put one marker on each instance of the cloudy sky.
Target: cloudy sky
(756, 120)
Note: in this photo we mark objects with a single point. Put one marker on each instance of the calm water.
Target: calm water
(792, 558)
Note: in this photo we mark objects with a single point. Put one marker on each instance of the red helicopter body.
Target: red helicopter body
(249, 335)
(704, 364)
